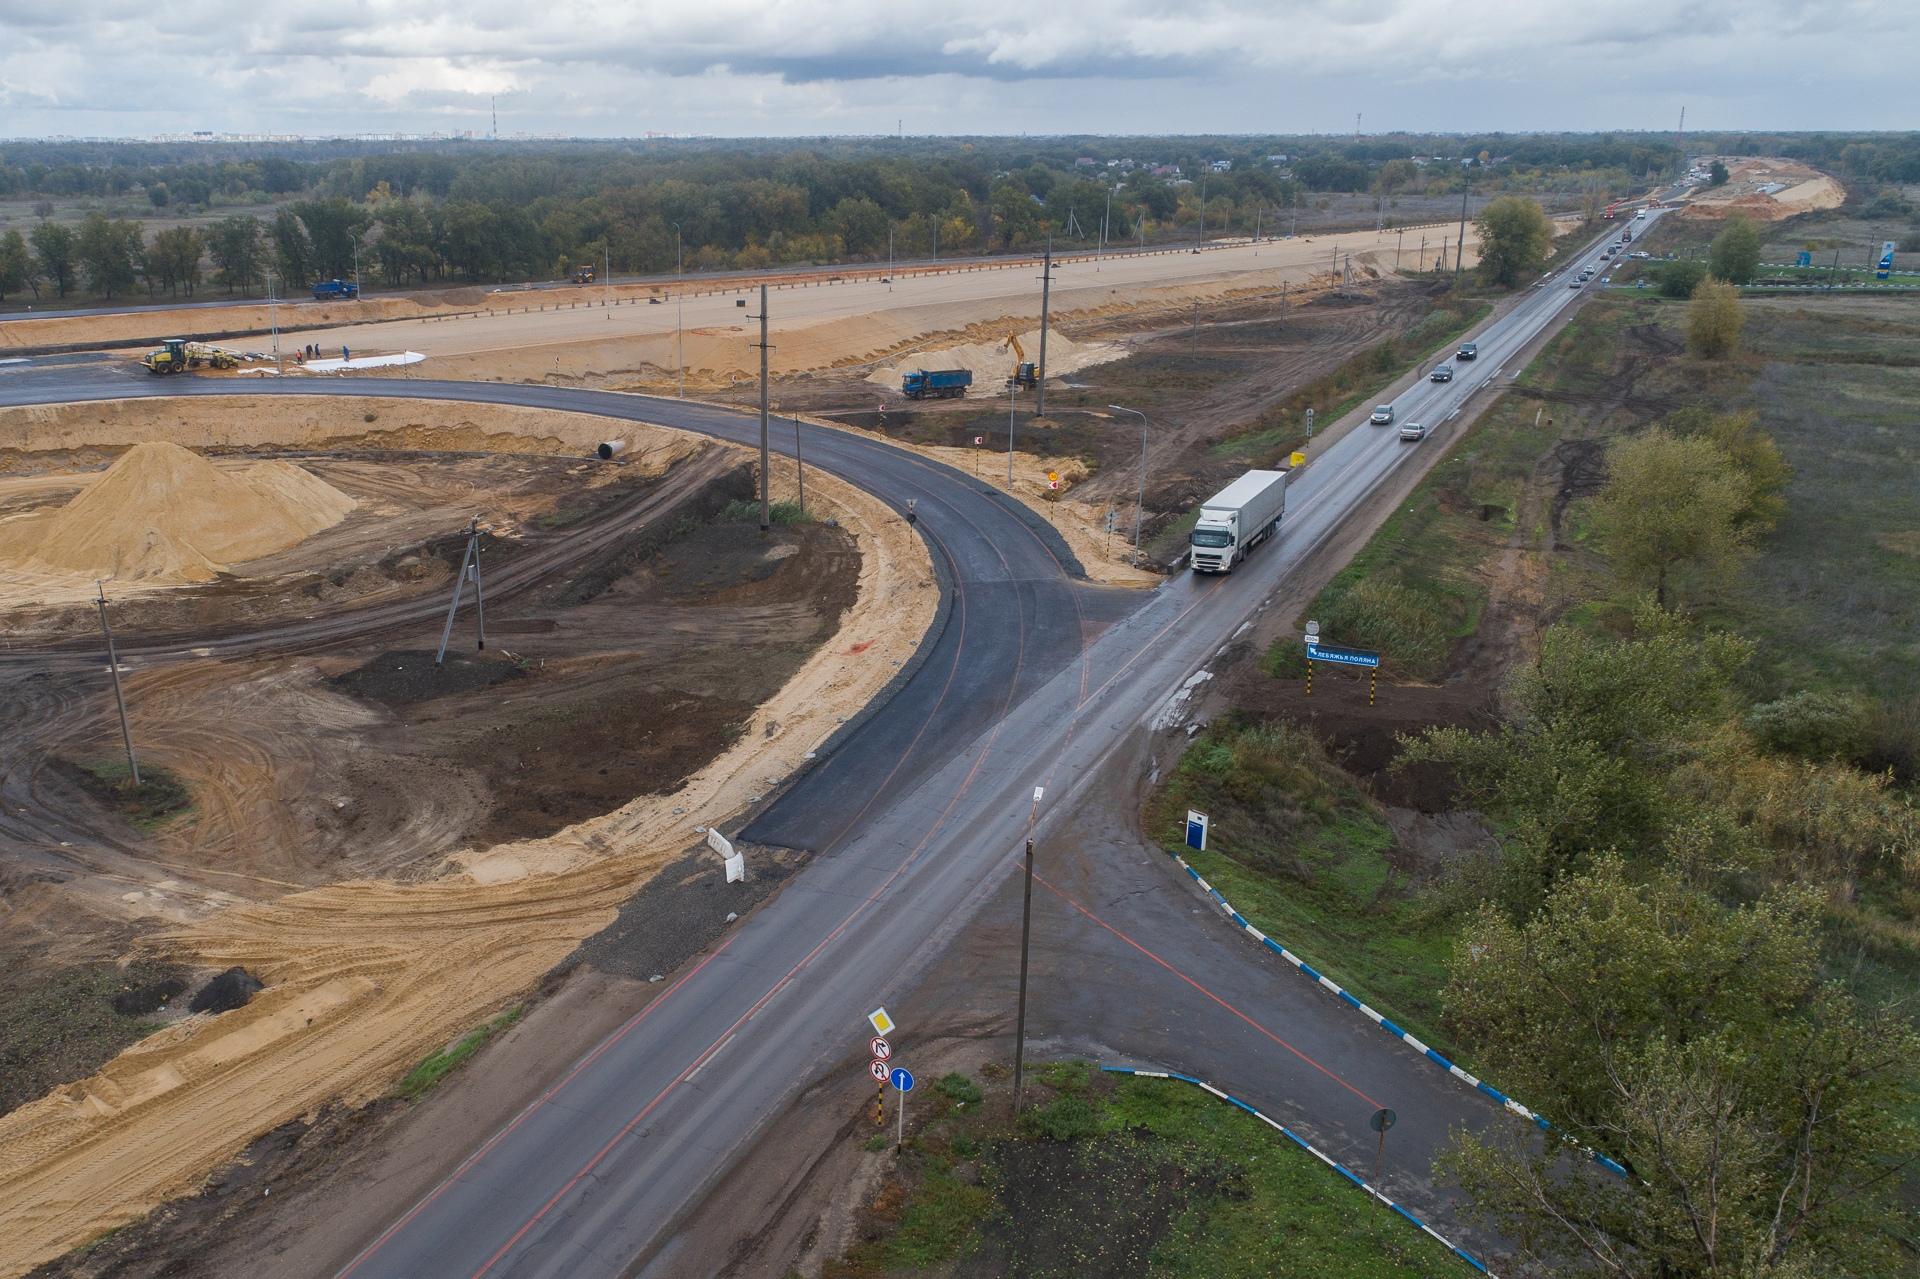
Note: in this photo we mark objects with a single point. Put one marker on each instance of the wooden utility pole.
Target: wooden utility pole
(766, 506)
(1046, 285)
(119, 698)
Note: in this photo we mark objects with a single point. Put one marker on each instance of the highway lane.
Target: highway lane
(583, 1182)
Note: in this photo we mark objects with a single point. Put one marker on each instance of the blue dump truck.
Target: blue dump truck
(335, 290)
(940, 384)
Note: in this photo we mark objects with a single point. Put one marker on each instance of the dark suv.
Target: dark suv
(1467, 351)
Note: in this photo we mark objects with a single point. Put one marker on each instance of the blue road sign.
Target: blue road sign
(902, 1078)
(1342, 656)
(1884, 267)
(1803, 258)
(1196, 830)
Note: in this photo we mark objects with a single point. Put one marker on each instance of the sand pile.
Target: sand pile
(162, 513)
(992, 362)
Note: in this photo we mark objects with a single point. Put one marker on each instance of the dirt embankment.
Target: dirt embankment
(365, 977)
(1765, 189)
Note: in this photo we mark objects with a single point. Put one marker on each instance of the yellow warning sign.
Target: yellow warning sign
(1297, 459)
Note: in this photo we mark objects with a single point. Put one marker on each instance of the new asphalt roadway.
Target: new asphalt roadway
(1032, 680)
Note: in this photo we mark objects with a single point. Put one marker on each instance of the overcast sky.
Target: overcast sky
(783, 67)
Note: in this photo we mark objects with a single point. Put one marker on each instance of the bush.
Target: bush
(747, 511)
(1410, 626)
(1816, 726)
(1679, 279)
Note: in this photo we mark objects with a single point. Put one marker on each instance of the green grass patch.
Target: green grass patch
(1301, 853)
(747, 511)
(1106, 1177)
(426, 1076)
(160, 798)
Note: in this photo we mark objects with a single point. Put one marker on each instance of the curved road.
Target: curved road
(1031, 680)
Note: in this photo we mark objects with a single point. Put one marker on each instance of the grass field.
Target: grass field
(1110, 1177)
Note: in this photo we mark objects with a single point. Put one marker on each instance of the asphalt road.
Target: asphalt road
(913, 841)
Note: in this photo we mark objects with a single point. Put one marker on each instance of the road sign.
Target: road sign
(878, 1069)
(1296, 458)
(1196, 830)
(881, 1048)
(1313, 632)
(881, 1023)
(1053, 477)
(1382, 1120)
(979, 439)
(1804, 258)
(1318, 652)
(1884, 267)
(901, 1078)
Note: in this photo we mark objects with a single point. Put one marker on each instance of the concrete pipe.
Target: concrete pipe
(608, 448)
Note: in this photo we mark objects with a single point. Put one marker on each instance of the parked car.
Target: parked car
(1442, 374)
(1382, 415)
(1467, 351)
(1413, 432)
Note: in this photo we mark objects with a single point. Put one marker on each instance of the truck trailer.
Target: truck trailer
(939, 384)
(1236, 519)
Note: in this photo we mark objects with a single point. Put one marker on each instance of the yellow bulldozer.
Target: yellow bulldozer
(177, 355)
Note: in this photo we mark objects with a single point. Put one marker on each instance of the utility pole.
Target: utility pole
(113, 668)
(1201, 242)
(1296, 214)
(273, 316)
(936, 238)
(1140, 503)
(1398, 239)
(766, 506)
(889, 258)
(1460, 249)
(1046, 287)
(606, 276)
(679, 314)
(1012, 388)
(1105, 216)
(470, 558)
(1026, 935)
(799, 467)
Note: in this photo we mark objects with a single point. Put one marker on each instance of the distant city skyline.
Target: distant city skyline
(732, 68)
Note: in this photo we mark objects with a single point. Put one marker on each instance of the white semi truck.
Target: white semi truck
(1236, 519)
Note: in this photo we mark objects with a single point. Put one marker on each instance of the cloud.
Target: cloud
(746, 66)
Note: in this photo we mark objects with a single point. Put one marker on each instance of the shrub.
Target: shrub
(1816, 726)
(957, 1087)
(1062, 1119)
(1411, 626)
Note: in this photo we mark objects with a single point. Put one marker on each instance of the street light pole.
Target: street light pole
(679, 314)
(1040, 373)
(1140, 502)
(766, 507)
(1460, 247)
(1026, 935)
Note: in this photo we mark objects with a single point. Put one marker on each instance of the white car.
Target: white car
(1413, 432)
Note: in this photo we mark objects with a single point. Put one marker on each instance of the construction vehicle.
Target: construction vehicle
(940, 384)
(583, 274)
(177, 355)
(1026, 374)
(1608, 215)
(335, 291)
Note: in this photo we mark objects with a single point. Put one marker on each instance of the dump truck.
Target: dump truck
(335, 291)
(937, 384)
(1236, 519)
(177, 355)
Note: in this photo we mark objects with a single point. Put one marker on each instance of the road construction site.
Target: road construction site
(399, 850)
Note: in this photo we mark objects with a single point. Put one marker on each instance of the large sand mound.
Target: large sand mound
(162, 513)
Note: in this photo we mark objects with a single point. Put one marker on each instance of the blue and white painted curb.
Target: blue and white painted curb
(1334, 988)
(1307, 1146)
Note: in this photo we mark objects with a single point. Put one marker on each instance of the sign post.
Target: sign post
(1382, 1120)
(1196, 830)
(902, 1080)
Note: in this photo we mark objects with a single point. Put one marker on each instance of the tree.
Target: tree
(16, 265)
(1717, 174)
(1670, 503)
(54, 243)
(1600, 726)
(1735, 255)
(174, 258)
(1758, 1112)
(1754, 455)
(110, 253)
(1679, 279)
(1515, 238)
(234, 245)
(291, 250)
(1714, 320)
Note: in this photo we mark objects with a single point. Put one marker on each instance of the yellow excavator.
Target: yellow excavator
(177, 355)
(1025, 375)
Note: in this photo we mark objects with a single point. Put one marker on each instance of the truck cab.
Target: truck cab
(335, 290)
(1235, 520)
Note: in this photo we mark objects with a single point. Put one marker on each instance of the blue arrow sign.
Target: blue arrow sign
(1342, 656)
(902, 1078)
